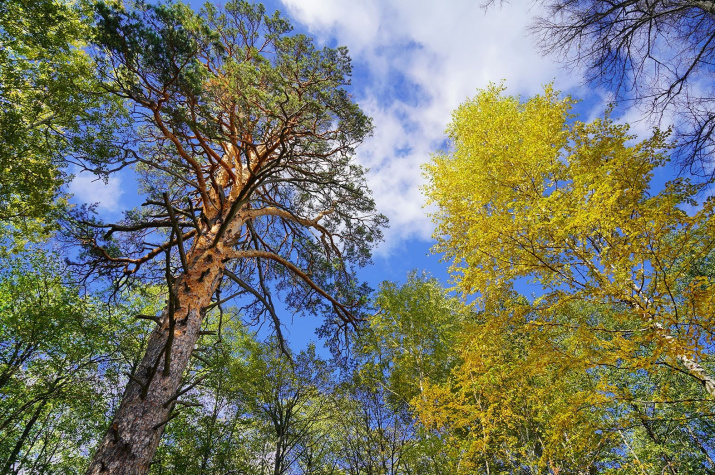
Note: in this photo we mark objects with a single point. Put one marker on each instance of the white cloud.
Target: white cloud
(357, 21)
(88, 188)
(416, 61)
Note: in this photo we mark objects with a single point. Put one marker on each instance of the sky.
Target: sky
(414, 62)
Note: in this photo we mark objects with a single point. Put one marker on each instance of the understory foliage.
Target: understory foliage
(62, 356)
(435, 387)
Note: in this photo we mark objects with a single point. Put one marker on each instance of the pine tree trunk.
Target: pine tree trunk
(132, 439)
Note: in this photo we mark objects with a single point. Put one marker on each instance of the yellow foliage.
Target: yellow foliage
(518, 400)
(528, 193)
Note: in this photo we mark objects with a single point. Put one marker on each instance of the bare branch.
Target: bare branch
(177, 232)
(341, 310)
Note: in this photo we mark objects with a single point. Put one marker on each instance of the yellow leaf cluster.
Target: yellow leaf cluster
(527, 193)
(518, 400)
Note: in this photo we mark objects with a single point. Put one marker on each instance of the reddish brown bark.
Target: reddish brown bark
(130, 443)
(285, 137)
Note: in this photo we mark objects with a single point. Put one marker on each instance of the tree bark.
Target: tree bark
(133, 437)
(693, 367)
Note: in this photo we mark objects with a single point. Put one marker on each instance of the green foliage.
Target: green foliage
(412, 336)
(60, 361)
(408, 344)
(211, 434)
(257, 412)
(54, 111)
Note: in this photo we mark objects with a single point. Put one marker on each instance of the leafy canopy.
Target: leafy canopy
(529, 193)
(52, 108)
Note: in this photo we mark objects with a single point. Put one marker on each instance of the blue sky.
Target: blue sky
(414, 62)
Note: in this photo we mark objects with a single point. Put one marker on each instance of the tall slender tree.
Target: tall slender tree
(244, 139)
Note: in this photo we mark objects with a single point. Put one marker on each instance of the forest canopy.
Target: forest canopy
(575, 333)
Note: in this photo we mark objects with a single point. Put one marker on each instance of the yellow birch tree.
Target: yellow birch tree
(527, 193)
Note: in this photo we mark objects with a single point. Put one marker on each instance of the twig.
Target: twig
(172, 321)
(219, 302)
(153, 318)
(189, 404)
(168, 419)
(193, 216)
(200, 358)
(184, 391)
(152, 373)
(267, 304)
(136, 380)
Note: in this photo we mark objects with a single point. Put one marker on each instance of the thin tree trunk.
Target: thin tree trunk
(702, 449)
(209, 436)
(21, 441)
(695, 369)
(132, 439)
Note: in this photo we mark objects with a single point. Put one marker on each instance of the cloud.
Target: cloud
(90, 189)
(415, 62)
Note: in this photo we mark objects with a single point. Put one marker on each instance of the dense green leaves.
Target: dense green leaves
(54, 110)
(412, 335)
(61, 357)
